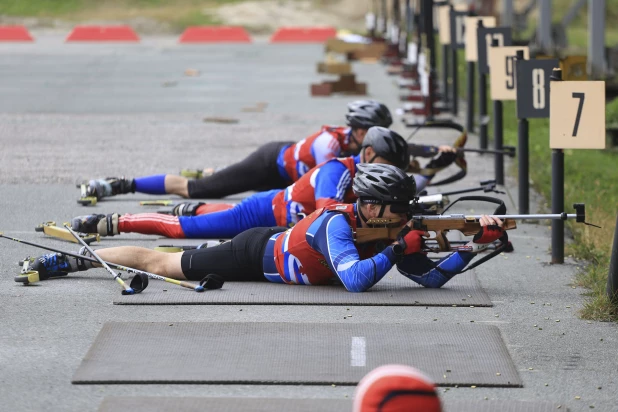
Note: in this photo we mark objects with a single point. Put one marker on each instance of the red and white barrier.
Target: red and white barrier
(14, 33)
(103, 33)
(215, 34)
(303, 34)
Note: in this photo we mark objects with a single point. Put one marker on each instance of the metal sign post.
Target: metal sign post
(533, 78)
(503, 87)
(484, 37)
(576, 121)
(471, 24)
(457, 43)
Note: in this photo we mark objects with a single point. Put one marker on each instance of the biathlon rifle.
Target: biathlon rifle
(430, 151)
(468, 225)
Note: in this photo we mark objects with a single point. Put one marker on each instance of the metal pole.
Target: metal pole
(431, 45)
(507, 13)
(557, 195)
(523, 143)
(454, 72)
(596, 42)
(445, 74)
(543, 30)
(612, 278)
(498, 141)
(523, 140)
(482, 105)
(470, 96)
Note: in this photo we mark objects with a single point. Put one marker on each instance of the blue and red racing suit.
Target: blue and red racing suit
(321, 248)
(326, 184)
(297, 159)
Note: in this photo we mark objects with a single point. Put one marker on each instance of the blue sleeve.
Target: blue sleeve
(422, 270)
(333, 239)
(332, 181)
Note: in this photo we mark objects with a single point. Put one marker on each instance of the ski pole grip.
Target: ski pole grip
(580, 211)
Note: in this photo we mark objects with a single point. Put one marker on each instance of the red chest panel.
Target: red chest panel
(299, 263)
(300, 196)
(301, 152)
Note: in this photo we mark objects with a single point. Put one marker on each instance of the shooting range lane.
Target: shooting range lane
(63, 107)
(164, 404)
(320, 354)
(393, 290)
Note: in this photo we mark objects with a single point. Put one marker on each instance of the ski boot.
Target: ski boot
(99, 188)
(51, 265)
(104, 225)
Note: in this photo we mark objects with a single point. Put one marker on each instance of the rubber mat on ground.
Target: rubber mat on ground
(195, 404)
(293, 353)
(393, 290)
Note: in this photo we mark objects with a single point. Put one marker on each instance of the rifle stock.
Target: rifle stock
(466, 225)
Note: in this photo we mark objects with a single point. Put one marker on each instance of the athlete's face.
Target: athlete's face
(374, 212)
(357, 141)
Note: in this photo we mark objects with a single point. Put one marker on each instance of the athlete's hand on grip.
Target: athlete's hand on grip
(491, 230)
(409, 241)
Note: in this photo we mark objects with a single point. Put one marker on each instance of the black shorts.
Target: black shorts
(240, 259)
(258, 171)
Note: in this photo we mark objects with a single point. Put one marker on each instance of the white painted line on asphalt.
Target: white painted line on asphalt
(358, 355)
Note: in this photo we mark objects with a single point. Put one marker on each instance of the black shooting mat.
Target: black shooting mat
(393, 290)
(288, 353)
(195, 404)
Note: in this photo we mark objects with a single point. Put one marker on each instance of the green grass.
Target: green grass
(591, 177)
(178, 13)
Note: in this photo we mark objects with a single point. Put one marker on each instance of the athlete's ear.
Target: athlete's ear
(367, 154)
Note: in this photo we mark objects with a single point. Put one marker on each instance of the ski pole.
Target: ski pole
(135, 287)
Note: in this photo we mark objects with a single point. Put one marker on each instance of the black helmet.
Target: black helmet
(363, 114)
(381, 183)
(389, 145)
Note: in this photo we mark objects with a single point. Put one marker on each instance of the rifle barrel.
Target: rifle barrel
(558, 216)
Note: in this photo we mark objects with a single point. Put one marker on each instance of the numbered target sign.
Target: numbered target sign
(444, 21)
(533, 87)
(458, 29)
(484, 39)
(577, 115)
(471, 24)
(503, 81)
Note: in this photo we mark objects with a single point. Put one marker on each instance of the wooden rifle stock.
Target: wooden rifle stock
(385, 230)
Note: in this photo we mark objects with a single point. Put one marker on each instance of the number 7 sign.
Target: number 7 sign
(577, 115)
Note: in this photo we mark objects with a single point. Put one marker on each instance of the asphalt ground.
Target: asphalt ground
(74, 111)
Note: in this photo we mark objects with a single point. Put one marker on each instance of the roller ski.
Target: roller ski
(198, 173)
(50, 229)
(96, 189)
(183, 248)
(51, 265)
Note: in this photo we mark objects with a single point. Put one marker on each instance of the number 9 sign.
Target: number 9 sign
(577, 115)
(502, 74)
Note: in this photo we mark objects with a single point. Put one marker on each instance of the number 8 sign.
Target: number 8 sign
(533, 87)
(577, 115)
